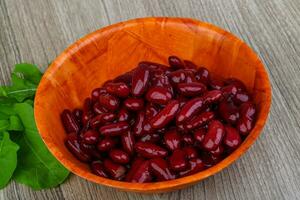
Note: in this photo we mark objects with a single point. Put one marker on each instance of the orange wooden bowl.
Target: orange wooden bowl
(118, 48)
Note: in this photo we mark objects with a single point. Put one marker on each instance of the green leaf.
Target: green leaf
(37, 167)
(28, 72)
(8, 158)
(15, 123)
(4, 124)
(7, 109)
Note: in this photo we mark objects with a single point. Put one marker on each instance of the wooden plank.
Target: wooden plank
(37, 31)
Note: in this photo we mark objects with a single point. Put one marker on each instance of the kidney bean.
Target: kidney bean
(214, 135)
(114, 129)
(151, 110)
(69, 122)
(189, 65)
(139, 124)
(118, 89)
(140, 81)
(106, 144)
(98, 169)
(142, 173)
(96, 93)
(159, 167)
(178, 160)
(202, 75)
(195, 165)
(134, 104)
(90, 137)
(215, 84)
(99, 109)
(150, 150)
(212, 96)
(108, 101)
(241, 97)
(229, 91)
(191, 89)
(247, 117)
(248, 110)
(150, 137)
(218, 151)
(116, 171)
(165, 115)
(237, 83)
(77, 113)
(119, 156)
(91, 150)
(190, 152)
(228, 112)
(72, 143)
(147, 128)
(190, 109)
(244, 125)
(128, 142)
(172, 139)
(187, 139)
(190, 76)
(175, 62)
(153, 66)
(232, 138)
(178, 76)
(125, 78)
(101, 119)
(123, 115)
(133, 168)
(200, 120)
(199, 135)
(159, 95)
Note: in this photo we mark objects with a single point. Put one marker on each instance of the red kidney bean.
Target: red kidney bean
(241, 97)
(216, 84)
(116, 171)
(119, 156)
(187, 139)
(228, 112)
(153, 66)
(229, 91)
(77, 113)
(151, 110)
(190, 152)
(178, 160)
(140, 81)
(96, 93)
(172, 139)
(190, 76)
(125, 78)
(128, 142)
(218, 151)
(147, 128)
(69, 122)
(123, 115)
(190, 109)
(106, 144)
(159, 167)
(199, 135)
(98, 169)
(99, 109)
(202, 75)
(139, 124)
(150, 150)
(209, 160)
(134, 104)
(90, 137)
(101, 119)
(189, 65)
(175, 62)
(134, 167)
(108, 101)
(212, 96)
(91, 150)
(244, 125)
(178, 76)
(191, 89)
(248, 110)
(232, 138)
(114, 129)
(118, 89)
(195, 165)
(159, 95)
(237, 83)
(165, 115)
(150, 137)
(72, 143)
(247, 117)
(214, 135)
(200, 120)
(142, 173)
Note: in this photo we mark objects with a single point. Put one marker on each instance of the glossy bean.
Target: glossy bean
(139, 124)
(237, 83)
(142, 173)
(200, 120)
(189, 65)
(159, 167)
(176, 77)
(128, 142)
(228, 112)
(119, 156)
(241, 97)
(109, 101)
(247, 110)
(114, 129)
(190, 109)
(191, 89)
(202, 75)
(212, 96)
(214, 135)
(178, 161)
(98, 169)
(150, 137)
(140, 81)
(199, 135)
(96, 93)
(229, 91)
(159, 95)
(123, 115)
(116, 171)
(77, 113)
(218, 151)
(69, 122)
(90, 137)
(134, 104)
(125, 78)
(172, 139)
(72, 143)
(101, 119)
(133, 168)
(150, 150)
(106, 144)
(151, 110)
(118, 89)
(195, 165)
(215, 84)
(190, 152)
(187, 139)
(175, 62)
(232, 138)
(99, 109)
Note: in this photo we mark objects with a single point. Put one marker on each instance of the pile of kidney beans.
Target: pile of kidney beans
(158, 123)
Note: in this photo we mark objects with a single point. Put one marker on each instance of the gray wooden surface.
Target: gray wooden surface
(36, 31)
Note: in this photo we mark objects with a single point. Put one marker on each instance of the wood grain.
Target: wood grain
(37, 31)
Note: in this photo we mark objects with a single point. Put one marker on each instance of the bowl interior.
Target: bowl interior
(116, 49)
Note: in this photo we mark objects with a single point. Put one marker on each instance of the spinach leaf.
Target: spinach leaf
(8, 158)
(4, 124)
(37, 167)
(15, 123)
(28, 72)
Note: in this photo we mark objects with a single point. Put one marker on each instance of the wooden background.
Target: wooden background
(36, 31)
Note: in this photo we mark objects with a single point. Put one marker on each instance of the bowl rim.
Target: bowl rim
(156, 186)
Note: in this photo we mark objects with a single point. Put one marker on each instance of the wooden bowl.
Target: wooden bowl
(118, 48)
